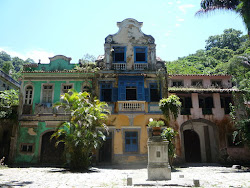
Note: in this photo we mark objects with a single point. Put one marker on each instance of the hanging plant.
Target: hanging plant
(170, 106)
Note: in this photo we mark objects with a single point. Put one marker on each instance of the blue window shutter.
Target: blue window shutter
(121, 91)
(140, 91)
(146, 94)
(115, 94)
(131, 141)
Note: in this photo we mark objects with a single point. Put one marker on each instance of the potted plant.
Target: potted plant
(156, 126)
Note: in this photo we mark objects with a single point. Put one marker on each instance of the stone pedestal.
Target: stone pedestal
(158, 165)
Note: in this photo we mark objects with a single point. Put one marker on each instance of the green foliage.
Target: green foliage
(240, 114)
(155, 123)
(170, 106)
(8, 99)
(82, 134)
(169, 134)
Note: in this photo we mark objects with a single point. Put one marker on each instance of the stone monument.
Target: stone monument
(158, 165)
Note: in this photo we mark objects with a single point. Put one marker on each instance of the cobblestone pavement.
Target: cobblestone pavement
(113, 176)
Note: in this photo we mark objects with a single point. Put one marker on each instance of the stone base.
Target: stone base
(158, 173)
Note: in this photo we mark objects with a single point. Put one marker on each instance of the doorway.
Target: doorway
(105, 152)
(49, 153)
(192, 146)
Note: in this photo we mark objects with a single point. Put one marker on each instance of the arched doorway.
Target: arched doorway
(49, 153)
(192, 146)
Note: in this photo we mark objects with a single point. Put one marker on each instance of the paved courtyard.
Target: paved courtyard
(114, 176)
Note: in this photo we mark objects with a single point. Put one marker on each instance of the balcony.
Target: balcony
(119, 66)
(141, 66)
(131, 106)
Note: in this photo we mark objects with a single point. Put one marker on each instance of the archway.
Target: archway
(49, 153)
(192, 146)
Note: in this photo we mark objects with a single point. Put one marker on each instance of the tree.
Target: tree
(8, 67)
(4, 56)
(81, 134)
(241, 7)
(8, 99)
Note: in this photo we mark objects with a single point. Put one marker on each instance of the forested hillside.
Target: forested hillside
(228, 53)
(12, 66)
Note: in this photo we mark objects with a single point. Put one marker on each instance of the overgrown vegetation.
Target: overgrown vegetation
(84, 132)
(8, 99)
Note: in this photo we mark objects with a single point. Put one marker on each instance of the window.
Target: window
(154, 93)
(28, 95)
(131, 93)
(26, 148)
(216, 83)
(106, 92)
(197, 83)
(65, 88)
(131, 141)
(140, 54)
(119, 54)
(206, 103)
(177, 83)
(186, 105)
(47, 94)
(225, 103)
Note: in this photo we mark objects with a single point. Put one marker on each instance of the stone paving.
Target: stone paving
(114, 176)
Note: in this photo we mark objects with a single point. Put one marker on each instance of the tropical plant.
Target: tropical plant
(241, 7)
(170, 106)
(240, 114)
(8, 99)
(83, 132)
(170, 134)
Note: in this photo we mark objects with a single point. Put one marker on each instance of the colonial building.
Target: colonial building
(131, 80)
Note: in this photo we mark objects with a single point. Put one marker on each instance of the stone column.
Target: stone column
(158, 165)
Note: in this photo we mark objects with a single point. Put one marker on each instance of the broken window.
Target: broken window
(140, 54)
(154, 93)
(47, 94)
(119, 54)
(206, 103)
(131, 93)
(177, 83)
(216, 83)
(197, 83)
(186, 104)
(106, 92)
(131, 141)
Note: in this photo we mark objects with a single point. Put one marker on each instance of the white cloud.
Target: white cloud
(184, 8)
(180, 20)
(32, 54)
(177, 25)
(170, 3)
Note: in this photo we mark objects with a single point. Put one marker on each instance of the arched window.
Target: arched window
(28, 95)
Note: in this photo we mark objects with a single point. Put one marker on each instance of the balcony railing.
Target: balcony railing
(141, 66)
(119, 66)
(128, 106)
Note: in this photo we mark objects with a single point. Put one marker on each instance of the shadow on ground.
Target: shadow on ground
(16, 183)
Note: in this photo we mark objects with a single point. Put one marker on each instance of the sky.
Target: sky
(39, 29)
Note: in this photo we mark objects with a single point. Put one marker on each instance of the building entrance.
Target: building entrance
(105, 152)
(192, 146)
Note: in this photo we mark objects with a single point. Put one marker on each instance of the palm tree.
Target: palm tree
(241, 7)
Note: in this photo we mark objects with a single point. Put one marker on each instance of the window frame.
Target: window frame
(145, 48)
(178, 81)
(27, 144)
(52, 93)
(29, 98)
(137, 149)
(216, 85)
(114, 54)
(197, 85)
(102, 84)
(158, 91)
(67, 84)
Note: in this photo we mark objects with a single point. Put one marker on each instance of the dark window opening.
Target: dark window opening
(140, 54)
(217, 83)
(131, 141)
(197, 83)
(186, 105)
(28, 148)
(107, 95)
(177, 83)
(206, 104)
(131, 93)
(154, 93)
(225, 103)
(119, 54)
